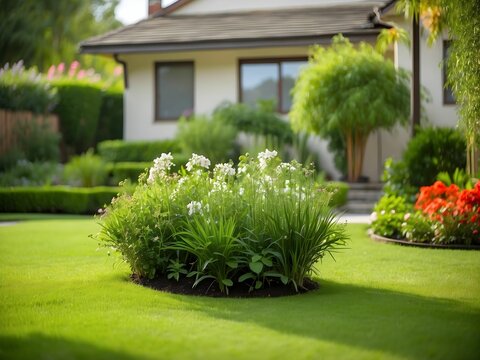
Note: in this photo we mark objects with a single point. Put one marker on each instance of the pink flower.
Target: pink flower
(81, 74)
(118, 70)
(73, 68)
(51, 72)
(61, 68)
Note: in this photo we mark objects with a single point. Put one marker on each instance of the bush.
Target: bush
(34, 142)
(128, 171)
(260, 223)
(110, 122)
(432, 151)
(339, 191)
(213, 138)
(389, 215)
(78, 109)
(55, 199)
(26, 173)
(261, 121)
(86, 170)
(135, 151)
(25, 90)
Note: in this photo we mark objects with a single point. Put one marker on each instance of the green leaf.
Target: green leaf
(256, 267)
(284, 279)
(256, 258)
(227, 282)
(232, 264)
(246, 276)
(258, 284)
(267, 261)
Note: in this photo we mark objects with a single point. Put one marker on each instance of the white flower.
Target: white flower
(265, 157)
(161, 166)
(406, 217)
(382, 212)
(241, 191)
(197, 160)
(194, 207)
(285, 166)
(373, 216)
(224, 170)
(392, 211)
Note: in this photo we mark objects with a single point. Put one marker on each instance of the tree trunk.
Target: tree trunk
(356, 143)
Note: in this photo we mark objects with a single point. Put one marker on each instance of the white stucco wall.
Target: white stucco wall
(223, 6)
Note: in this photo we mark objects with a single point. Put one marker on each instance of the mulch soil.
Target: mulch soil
(207, 288)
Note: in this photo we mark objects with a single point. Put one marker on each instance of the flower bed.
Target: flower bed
(265, 223)
(442, 215)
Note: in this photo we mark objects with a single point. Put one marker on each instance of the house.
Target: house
(195, 54)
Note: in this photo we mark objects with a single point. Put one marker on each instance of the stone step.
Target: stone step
(358, 207)
(367, 195)
(365, 186)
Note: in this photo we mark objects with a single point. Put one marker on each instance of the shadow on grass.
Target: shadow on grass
(375, 319)
(39, 346)
(41, 216)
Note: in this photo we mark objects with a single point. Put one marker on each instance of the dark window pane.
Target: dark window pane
(448, 97)
(259, 82)
(174, 90)
(290, 71)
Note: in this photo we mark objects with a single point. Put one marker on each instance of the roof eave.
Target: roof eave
(323, 39)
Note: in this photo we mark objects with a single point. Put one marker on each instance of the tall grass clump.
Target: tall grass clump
(259, 224)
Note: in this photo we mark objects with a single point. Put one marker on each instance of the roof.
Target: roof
(239, 30)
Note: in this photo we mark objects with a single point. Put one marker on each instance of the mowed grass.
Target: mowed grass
(61, 298)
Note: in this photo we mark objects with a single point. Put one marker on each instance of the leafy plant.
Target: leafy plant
(389, 215)
(135, 151)
(459, 178)
(212, 137)
(26, 173)
(86, 170)
(350, 91)
(262, 222)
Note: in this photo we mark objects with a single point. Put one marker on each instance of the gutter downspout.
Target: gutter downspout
(125, 69)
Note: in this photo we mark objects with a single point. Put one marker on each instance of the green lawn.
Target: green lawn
(62, 298)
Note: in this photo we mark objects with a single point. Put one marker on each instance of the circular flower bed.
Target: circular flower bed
(260, 225)
(442, 215)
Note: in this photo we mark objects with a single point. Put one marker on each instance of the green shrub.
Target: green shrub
(418, 228)
(110, 122)
(339, 191)
(211, 137)
(396, 180)
(127, 171)
(34, 142)
(86, 170)
(389, 215)
(55, 199)
(135, 151)
(260, 121)
(262, 222)
(26, 173)
(25, 90)
(432, 151)
(78, 109)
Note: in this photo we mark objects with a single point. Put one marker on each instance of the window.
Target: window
(173, 90)
(448, 97)
(269, 80)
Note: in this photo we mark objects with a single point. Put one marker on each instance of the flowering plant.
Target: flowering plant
(261, 222)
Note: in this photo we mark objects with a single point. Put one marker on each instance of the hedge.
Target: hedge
(55, 199)
(340, 193)
(78, 109)
(110, 122)
(135, 151)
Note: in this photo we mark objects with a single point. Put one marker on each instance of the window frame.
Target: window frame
(157, 93)
(445, 45)
(275, 60)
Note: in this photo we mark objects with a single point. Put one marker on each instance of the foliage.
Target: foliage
(26, 173)
(390, 36)
(396, 180)
(339, 191)
(262, 122)
(261, 222)
(463, 72)
(459, 178)
(212, 137)
(86, 170)
(55, 199)
(443, 215)
(135, 151)
(25, 89)
(432, 151)
(110, 121)
(78, 110)
(48, 32)
(456, 213)
(350, 91)
(388, 216)
(34, 142)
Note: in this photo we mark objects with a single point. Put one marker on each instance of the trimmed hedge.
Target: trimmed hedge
(135, 151)
(56, 199)
(340, 193)
(110, 122)
(78, 109)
